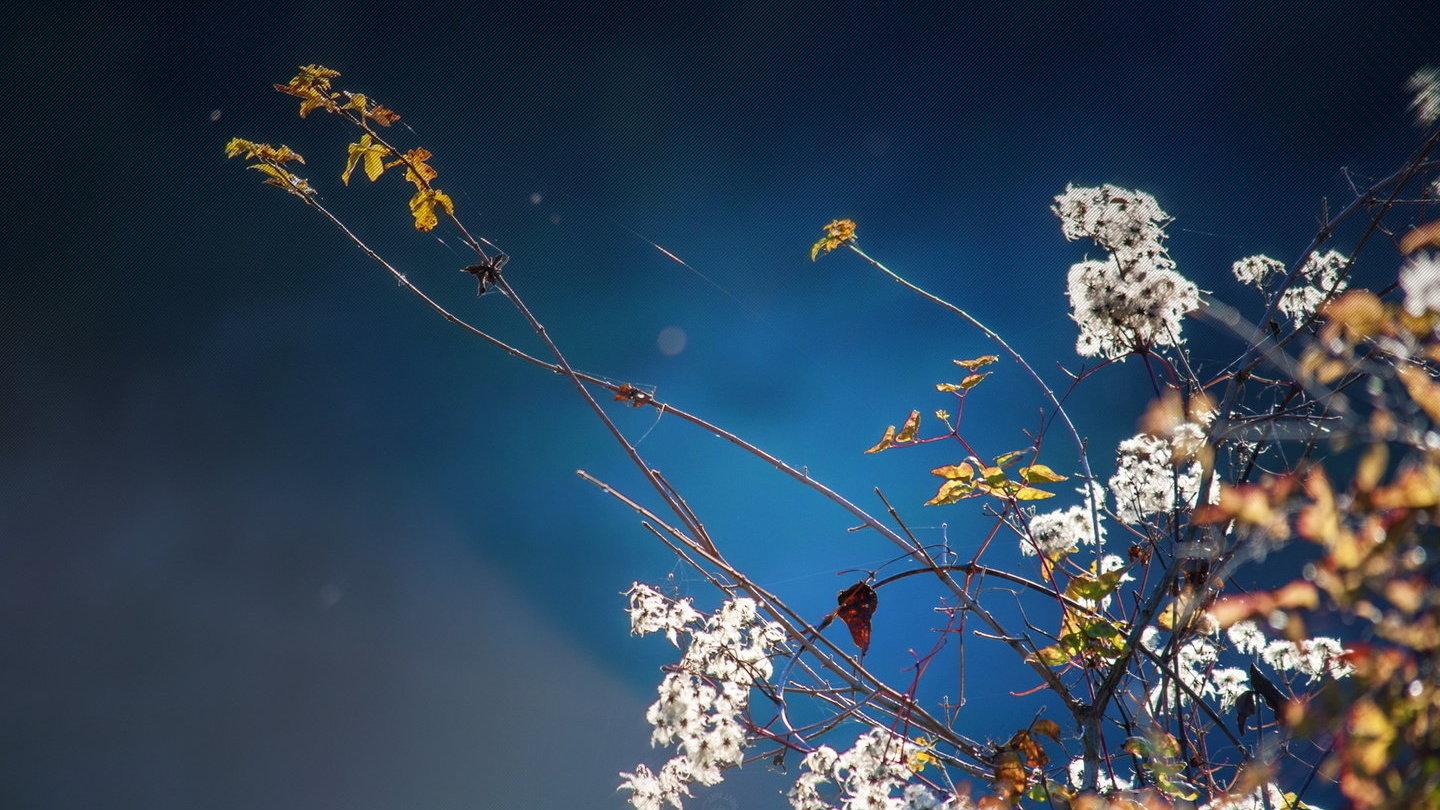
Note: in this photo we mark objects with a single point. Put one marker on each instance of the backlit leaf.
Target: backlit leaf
(886, 442)
(1040, 474)
(1006, 459)
(973, 380)
(312, 86)
(962, 471)
(952, 491)
(372, 153)
(978, 362)
(279, 177)
(423, 205)
(837, 233)
(910, 428)
(1051, 656)
(857, 605)
(417, 171)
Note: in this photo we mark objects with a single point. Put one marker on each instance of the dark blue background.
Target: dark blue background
(273, 535)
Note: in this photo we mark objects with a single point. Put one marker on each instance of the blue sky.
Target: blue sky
(275, 535)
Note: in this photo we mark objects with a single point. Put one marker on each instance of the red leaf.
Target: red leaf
(857, 605)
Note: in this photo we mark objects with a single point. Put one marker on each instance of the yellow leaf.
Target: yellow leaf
(951, 491)
(369, 109)
(263, 151)
(1051, 656)
(885, 441)
(1031, 494)
(1006, 459)
(372, 153)
(910, 428)
(978, 362)
(1040, 474)
(942, 414)
(423, 204)
(417, 171)
(837, 233)
(962, 471)
(973, 380)
(279, 177)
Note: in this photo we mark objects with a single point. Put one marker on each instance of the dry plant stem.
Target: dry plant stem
(1018, 645)
(666, 494)
(1089, 722)
(1248, 360)
(835, 660)
(985, 330)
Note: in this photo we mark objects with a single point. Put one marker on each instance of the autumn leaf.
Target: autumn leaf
(417, 171)
(886, 441)
(312, 86)
(372, 153)
(837, 233)
(261, 151)
(857, 605)
(1040, 474)
(910, 428)
(952, 491)
(422, 207)
(978, 362)
(279, 177)
(369, 109)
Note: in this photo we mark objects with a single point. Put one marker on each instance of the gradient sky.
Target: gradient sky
(273, 535)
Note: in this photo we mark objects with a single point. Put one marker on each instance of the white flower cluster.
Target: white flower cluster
(1064, 530)
(701, 704)
(1134, 297)
(1312, 657)
(1193, 662)
(1266, 797)
(1420, 279)
(1146, 483)
(1424, 85)
(866, 775)
(1105, 780)
(1320, 277)
(650, 612)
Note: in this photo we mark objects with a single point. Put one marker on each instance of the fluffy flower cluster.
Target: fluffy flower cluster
(1318, 279)
(1420, 279)
(1105, 781)
(1054, 533)
(1145, 481)
(1321, 656)
(701, 703)
(874, 767)
(1133, 298)
(1266, 797)
(1424, 87)
(1195, 664)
